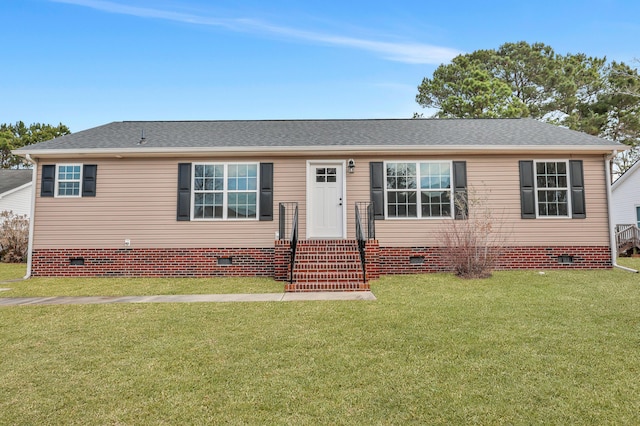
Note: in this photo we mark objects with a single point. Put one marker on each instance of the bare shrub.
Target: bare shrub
(14, 237)
(473, 244)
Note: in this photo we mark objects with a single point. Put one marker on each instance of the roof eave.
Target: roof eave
(310, 150)
(14, 190)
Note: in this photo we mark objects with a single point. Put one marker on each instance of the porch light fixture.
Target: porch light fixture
(351, 164)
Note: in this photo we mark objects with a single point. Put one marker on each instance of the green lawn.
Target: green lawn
(519, 348)
(45, 286)
(630, 262)
(12, 271)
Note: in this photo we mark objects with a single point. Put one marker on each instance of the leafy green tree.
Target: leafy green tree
(6, 145)
(529, 70)
(517, 80)
(467, 89)
(530, 80)
(13, 136)
(621, 102)
(630, 76)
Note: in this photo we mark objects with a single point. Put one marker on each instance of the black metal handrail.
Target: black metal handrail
(366, 208)
(363, 236)
(285, 219)
(371, 222)
(288, 227)
(294, 242)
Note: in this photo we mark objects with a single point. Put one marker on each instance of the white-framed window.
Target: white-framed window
(225, 191)
(552, 188)
(418, 189)
(68, 180)
(638, 216)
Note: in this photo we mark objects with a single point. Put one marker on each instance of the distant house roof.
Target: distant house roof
(157, 137)
(631, 171)
(13, 179)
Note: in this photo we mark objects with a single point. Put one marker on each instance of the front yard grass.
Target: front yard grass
(12, 271)
(630, 262)
(518, 348)
(47, 286)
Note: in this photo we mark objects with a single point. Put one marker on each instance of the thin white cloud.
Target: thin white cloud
(413, 53)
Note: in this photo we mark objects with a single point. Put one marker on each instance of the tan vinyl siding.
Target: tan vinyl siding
(289, 185)
(496, 180)
(136, 200)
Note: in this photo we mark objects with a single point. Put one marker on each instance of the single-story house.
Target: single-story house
(625, 209)
(215, 198)
(16, 191)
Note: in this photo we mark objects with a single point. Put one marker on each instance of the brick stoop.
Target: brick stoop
(327, 265)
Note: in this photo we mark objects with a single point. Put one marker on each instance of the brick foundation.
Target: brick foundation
(417, 260)
(372, 259)
(281, 260)
(205, 262)
(274, 262)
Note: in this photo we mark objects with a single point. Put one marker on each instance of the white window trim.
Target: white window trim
(418, 190)
(637, 212)
(57, 180)
(225, 192)
(568, 188)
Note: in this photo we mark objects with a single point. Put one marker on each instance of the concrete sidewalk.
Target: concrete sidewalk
(189, 298)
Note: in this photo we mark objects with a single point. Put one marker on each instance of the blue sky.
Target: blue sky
(90, 62)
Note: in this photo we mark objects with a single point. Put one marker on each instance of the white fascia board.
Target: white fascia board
(297, 150)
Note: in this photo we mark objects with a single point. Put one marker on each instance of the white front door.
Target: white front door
(325, 199)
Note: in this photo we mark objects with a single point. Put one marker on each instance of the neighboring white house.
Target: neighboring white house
(625, 197)
(16, 191)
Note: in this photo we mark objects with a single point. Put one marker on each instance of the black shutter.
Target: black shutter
(48, 181)
(266, 191)
(89, 175)
(460, 204)
(184, 191)
(376, 178)
(527, 194)
(578, 207)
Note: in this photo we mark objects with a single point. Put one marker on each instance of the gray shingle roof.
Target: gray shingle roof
(319, 133)
(11, 179)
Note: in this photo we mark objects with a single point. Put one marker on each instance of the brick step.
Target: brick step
(326, 250)
(327, 265)
(319, 243)
(327, 276)
(353, 259)
(343, 245)
(327, 286)
(323, 252)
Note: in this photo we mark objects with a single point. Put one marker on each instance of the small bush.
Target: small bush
(472, 245)
(14, 237)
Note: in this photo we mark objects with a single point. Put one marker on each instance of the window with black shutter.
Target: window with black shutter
(552, 189)
(68, 180)
(225, 191)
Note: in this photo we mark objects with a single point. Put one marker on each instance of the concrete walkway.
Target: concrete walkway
(189, 298)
